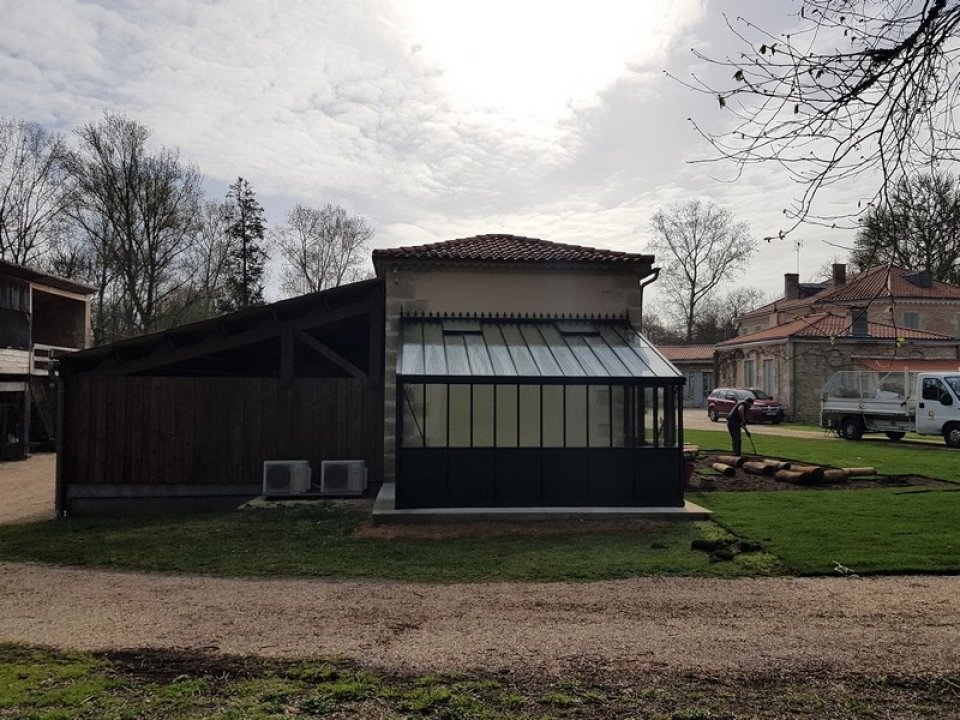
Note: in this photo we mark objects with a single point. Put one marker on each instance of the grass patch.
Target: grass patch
(319, 541)
(902, 530)
(889, 458)
(157, 685)
(871, 531)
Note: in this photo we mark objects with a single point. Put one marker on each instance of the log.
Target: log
(813, 475)
(807, 468)
(778, 464)
(860, 471)
(789, 476)
(734, 460)
(833, 475)
(758, 468)
(724, 469)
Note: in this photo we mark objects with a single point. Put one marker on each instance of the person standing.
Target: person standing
(737, 420)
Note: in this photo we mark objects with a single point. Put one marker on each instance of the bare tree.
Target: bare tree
(859, 87)
(322, 248)
(138, 209)
(32, 190)
(212, 256)
(75, 255)
(919, 228)
(717, 317)
(698, 245)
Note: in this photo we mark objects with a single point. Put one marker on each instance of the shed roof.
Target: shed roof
(547, 348)
(42, 278)
(503, 248)
(229, 333)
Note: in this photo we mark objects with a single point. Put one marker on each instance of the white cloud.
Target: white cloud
(436, 119)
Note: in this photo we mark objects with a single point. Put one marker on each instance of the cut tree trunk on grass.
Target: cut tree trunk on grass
(778, 464)
(860, 471)
(734, 460)
(811, 475)
(807, 468)
(724, 469)
(835, 476)
(758, 468)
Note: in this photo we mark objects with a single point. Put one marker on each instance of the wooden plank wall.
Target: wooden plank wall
(138, 430)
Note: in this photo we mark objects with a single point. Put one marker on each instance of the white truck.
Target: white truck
(893, 403)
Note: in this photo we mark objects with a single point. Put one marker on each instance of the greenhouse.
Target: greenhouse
(535, 412)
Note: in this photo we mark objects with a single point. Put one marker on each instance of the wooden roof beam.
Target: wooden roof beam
(265, 331)
(334, 357)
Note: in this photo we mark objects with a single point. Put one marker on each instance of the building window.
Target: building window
(749, 380)
(911, 320)
(768, 376)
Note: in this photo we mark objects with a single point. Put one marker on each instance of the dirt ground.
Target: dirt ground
(27, 488)
(706, 479)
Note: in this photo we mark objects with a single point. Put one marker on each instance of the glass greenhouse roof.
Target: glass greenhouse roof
(444, 347)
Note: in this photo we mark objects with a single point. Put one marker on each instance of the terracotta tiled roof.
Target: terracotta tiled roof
(872, 284)
(828, 325)
(686, 352)
(875, 283)
(508, 249)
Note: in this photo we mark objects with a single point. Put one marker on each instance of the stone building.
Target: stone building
(882, 319)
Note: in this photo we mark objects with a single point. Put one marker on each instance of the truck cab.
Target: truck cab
(938, 406)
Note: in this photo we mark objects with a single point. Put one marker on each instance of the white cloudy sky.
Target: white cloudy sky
(434, 118)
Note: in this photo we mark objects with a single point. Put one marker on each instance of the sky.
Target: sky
(435, 119)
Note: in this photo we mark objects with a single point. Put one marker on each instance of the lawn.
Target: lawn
(320, 541)
(899, 530)
(894, 530)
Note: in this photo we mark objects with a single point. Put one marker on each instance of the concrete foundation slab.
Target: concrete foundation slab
(385, 512)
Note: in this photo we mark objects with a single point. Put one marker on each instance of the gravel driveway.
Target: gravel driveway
(641, 625)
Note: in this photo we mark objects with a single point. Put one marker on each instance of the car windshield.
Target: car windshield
(761, 395)
(954, 382)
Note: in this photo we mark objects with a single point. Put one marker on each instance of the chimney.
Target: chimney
(791, 286)
(839, 274)
(858, 322)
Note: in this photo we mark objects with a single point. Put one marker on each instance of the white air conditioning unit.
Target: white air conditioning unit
(343, 477)
(285, 477)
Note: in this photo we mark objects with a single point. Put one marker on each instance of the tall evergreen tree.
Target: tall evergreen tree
(244, 281)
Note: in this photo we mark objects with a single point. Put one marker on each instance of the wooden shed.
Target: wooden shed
(186, 417)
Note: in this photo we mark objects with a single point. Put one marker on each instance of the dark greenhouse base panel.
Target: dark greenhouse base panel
(535, 477)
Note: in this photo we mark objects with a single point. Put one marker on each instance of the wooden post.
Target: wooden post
(25, 421)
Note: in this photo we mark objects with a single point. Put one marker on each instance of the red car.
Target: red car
(721, 402)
